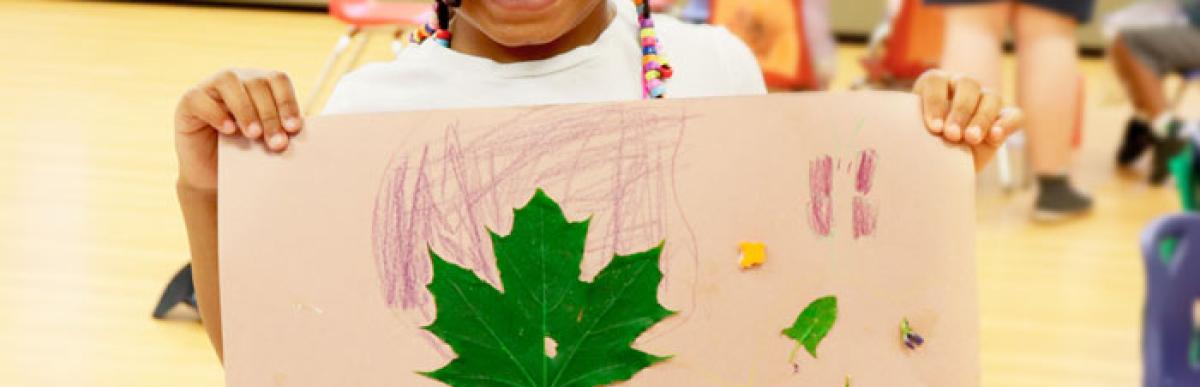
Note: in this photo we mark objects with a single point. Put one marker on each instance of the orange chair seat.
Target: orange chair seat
(374, 13)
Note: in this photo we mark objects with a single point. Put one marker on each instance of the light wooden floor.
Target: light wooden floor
(89, 229)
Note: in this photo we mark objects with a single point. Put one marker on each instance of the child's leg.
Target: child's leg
(1048, 91)
(1047, 75)
(974, 35)
(1142, 57)
(1142, 83)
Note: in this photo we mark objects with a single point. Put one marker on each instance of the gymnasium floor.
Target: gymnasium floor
(90, 231)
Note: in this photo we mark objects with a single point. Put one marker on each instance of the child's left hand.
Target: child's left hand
(960, 111)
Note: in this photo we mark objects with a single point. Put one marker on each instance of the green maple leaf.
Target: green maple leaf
(813, 324)
(501, 337)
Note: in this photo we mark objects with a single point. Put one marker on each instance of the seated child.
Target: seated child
(1142, 57)
(503, 53)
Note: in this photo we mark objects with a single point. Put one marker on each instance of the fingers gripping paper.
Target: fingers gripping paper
(861, 220)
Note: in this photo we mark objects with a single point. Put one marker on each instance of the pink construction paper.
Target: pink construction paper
(323, 248)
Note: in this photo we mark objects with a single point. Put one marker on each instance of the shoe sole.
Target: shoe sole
(1045, 216)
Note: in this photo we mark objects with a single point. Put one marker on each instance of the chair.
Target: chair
(360, 16)
(1170, 340)
(904, 46)
(775, 32)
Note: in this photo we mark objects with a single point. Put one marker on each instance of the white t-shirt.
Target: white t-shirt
(707, 61)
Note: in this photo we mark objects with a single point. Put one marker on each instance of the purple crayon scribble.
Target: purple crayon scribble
(866, 171)
(613, 163)
(864, 214)
(864, 217)
(820, 187)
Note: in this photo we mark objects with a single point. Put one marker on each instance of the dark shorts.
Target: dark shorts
(1081, 10)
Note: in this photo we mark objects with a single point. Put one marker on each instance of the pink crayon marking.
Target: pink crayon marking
(820, 181)
(864, 217)
(866, 171)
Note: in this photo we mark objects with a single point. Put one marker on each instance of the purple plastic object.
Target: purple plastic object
(1172, 291)
(696, 11)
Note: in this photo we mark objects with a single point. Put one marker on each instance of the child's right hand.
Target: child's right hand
(258, 104)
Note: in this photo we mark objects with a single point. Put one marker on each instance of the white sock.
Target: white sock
(1161, 126)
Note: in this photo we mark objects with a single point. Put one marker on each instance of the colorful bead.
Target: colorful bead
(658, 91)
(654, 68)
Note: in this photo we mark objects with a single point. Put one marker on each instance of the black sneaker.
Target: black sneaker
(1137, 139)
(1056, 199)
(1164, 150)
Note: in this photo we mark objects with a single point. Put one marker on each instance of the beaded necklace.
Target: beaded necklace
(655, 70)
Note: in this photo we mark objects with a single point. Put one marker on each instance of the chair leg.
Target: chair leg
(399, 38)
(338, 48)
(356, 56)
(1003, 167)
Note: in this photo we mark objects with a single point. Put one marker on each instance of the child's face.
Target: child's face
(516, 23)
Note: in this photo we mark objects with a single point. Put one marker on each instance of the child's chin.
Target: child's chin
(512, 38)
(521, 5)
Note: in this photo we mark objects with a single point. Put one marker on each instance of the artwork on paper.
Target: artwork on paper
(768, 240)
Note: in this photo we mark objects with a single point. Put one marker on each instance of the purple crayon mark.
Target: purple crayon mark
(864, 214)
(864, 217)
(616, 164)
(820, 185)
(866, 171)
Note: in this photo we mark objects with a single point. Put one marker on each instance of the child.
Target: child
(1142, 56)
(1047, 56)
(501, 53)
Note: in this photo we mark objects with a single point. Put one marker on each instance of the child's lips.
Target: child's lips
(523, 5)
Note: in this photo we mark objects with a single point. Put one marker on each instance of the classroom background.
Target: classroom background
(90, 232)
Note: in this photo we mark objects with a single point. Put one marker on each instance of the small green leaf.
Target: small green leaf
(813, 324)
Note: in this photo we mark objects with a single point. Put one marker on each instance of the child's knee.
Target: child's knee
(1034, 22)
(977, 23)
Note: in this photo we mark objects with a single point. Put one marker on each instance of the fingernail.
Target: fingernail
(253, 130)
(953, 129)
(228, 127)
(291, 124)
(277, 141)
(937, 124)
(997, 133)
(974, 133)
